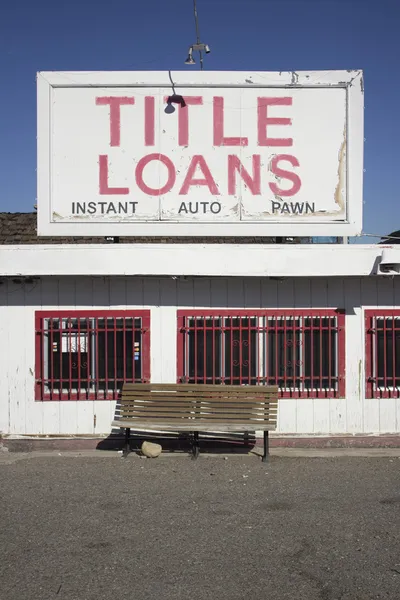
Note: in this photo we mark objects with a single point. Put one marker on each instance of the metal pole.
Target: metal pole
(266, 447)
(196, 20)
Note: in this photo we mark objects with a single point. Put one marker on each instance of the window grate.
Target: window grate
(89, 355)
(382, 342)
(300, 351)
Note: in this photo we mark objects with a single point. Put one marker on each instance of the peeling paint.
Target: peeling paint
(340, 187)
(271, 158)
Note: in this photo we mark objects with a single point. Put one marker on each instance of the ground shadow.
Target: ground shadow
(210, 442)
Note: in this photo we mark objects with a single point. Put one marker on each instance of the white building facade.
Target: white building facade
(320, 321)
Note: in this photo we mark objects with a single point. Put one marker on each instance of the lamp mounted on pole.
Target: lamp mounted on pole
(199, 46)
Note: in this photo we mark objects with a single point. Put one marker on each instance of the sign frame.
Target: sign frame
(351, 80)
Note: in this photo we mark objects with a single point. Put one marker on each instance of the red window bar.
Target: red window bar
(87, 355)
(382, 360)
(301, 351)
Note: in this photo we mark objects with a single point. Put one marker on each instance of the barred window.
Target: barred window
(87, 355)
(382, 353)
(301, 352)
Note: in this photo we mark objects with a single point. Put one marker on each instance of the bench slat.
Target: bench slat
(199, 387)
(157, 397)
(221, 390)
(203, 409)
(193, 403)
(195, 425)
(208, 417)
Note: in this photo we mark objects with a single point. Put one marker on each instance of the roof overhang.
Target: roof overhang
(207, 260)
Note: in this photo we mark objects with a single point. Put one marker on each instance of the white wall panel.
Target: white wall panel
(321, 415)
(385, 292)
(302, 293)
(285, 293)
(20, 414)
(269, 293)
(287, 413)
(337, 416)
(168, 331)
(252, 293)
(335, 292)
(84, 417)
(319, 293)
(371, 414)
(219, 293)
(4, 352)
(103, 415)
(355, 351)
(18, 322)
(101, 292)
(50, 416)
(397, 414)
(396, 292)
(202, 292)
(185, 293)
(236, 298)
(69, 418)
(305, 416)
(387, 415)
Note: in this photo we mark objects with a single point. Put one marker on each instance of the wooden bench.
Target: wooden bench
(197, 407)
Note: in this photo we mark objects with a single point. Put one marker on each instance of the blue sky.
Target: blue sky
(260, 35)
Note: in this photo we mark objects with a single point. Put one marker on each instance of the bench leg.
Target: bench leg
(246, 438)
(266, 447)
(127, 446)
(195, 445)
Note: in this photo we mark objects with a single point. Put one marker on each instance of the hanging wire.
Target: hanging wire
(196, 22)
(379, 235)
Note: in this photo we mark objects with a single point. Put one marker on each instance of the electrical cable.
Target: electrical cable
(379, 235)
(196, 21)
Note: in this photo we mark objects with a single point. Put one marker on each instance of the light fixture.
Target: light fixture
(176, 99)
(190, 60)
(200, 48)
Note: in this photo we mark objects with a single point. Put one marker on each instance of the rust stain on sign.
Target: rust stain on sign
(340, 187)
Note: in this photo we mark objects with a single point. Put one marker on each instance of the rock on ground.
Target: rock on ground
(151, 450)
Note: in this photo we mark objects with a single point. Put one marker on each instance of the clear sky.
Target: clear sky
(264, 35)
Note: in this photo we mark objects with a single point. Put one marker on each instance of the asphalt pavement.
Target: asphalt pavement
(100, 527)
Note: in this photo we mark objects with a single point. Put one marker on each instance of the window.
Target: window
(382, 353)
(300, 351)
(88, 355)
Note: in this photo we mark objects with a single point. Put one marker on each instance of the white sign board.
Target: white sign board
(197, 154)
